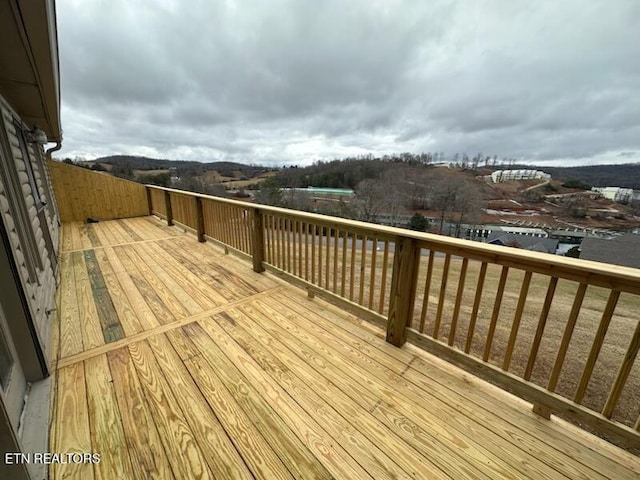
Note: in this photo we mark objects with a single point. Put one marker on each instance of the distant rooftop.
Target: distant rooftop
(623, 250)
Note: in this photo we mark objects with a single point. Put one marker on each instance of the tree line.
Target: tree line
(385, 188)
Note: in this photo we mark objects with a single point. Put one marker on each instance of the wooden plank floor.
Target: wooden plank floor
(175, 361)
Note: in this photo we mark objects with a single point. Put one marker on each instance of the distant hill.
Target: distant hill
(624, 175)
(188, 168)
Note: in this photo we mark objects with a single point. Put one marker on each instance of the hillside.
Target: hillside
(127, 164)
(624, 175)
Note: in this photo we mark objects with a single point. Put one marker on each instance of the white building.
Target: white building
(510, 175)
(617, 194)
(484, 231)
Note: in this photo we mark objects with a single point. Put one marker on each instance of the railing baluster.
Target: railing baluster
(354, 242)
(284, 232)
(280, 243)
(237, 233)
(459, 294)
(363, 266)
(524, 290)
(623, 373)
(267, 227)
(476, 307)
(336, 235)
(223, 223)
(234, 227)
(607, 314)
(306, 251)
(320, 246)
(383, 281)
(345, 236)
(441, 297)
(327, 272)
(245, 228)
(313, 253)
(294, 247)
(566, 337)
(228, 222)
(372, 282)
(542, 322)
(427, 288)
(496, 313)
(246, 215)
(216, 220)
(300, 249)
(288, 231)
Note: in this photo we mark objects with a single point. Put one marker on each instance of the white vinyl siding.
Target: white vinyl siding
(28, 221)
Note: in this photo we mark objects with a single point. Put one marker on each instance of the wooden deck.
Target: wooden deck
(176, 361)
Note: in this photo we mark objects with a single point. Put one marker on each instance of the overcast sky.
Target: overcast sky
(289, 82)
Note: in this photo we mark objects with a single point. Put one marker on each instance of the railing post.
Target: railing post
(167, 207)
(199, 219)
(403, 289)
(149, 200)
(258, 241)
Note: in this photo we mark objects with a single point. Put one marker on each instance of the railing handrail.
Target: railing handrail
(624, 279)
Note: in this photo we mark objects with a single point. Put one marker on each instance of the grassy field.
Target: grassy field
(615, 345)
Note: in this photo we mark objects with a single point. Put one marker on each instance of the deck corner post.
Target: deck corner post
(167, 206)
(258, 241)
(149, 199)
(403, 290)
(199, 219)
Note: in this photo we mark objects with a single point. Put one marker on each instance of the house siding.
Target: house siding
(39, 288)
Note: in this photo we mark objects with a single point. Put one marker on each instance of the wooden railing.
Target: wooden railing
(544, 327)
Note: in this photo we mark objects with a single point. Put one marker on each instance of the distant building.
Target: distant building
(623, 250)
(485, 231)
(617, 194)
(511, 175)
(525, 242)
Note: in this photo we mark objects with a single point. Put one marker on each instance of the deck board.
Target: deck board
(90, 322)
(72, 422)
(218, 449)
(474, 426)
(221, 372)
(346, 422)
(70, 329)
(105, 421)
(145, 447)
(187, 459)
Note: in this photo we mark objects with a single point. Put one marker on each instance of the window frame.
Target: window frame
(17, 205)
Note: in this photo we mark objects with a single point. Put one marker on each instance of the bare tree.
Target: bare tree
(457, 200)
(370, 198)
(297, 199)
(394, 184)
(444, 196)
(467, 205)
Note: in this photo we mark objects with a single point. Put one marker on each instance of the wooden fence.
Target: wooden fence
(534, 324)
(82, 193)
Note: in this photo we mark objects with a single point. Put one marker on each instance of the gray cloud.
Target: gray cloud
(291, 81)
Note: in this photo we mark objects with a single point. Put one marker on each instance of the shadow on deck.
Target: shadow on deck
(177, 361)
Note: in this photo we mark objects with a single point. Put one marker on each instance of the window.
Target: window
(27, 163)
(17, 205)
